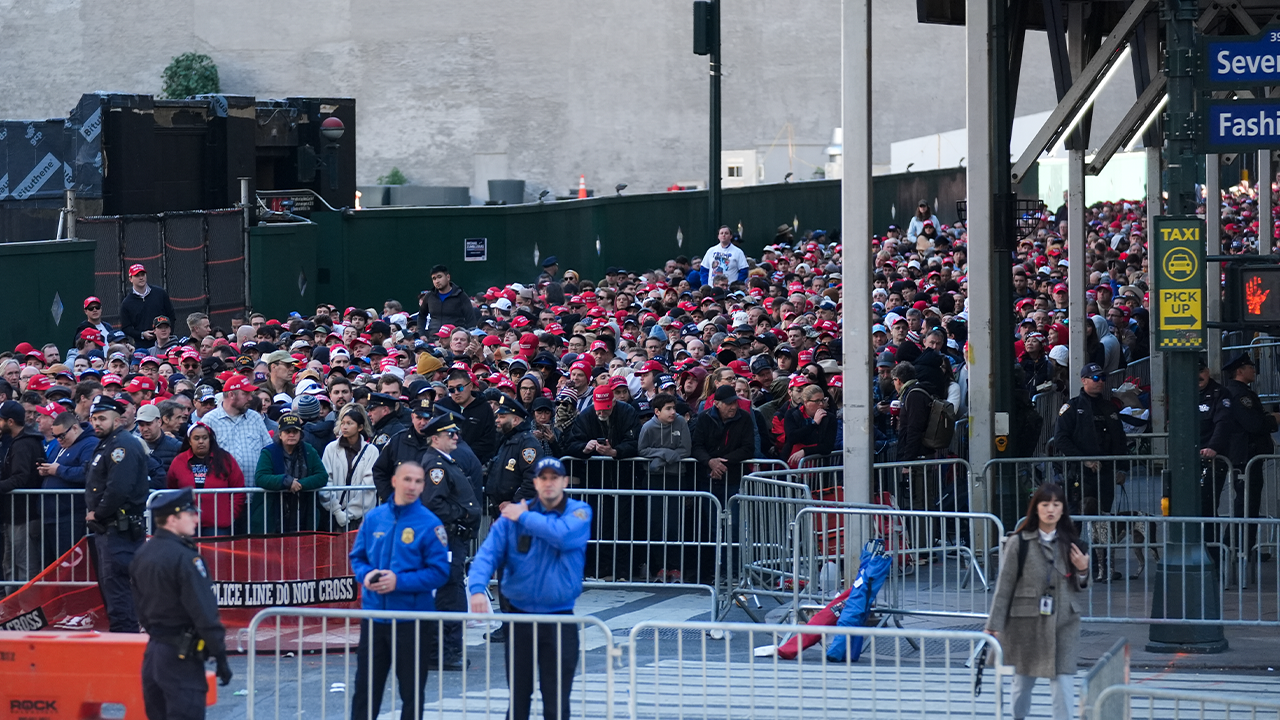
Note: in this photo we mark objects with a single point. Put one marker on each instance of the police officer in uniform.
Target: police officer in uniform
(406, 445)
(174, 597)
(511, 470)
(1250, 437)
(1089, 426)
(1214, 408)
(449, 495)
(116, 497)
(385, 427)
(540, 545)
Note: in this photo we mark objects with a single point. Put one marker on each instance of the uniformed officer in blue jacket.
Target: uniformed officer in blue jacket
(541, 548)
(400, 557)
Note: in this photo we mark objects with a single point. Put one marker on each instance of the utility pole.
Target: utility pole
(706, 41)
(1186, 580)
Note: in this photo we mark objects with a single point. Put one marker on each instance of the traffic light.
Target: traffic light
(1253, 295)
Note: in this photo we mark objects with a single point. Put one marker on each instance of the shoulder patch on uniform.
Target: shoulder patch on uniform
(580, 514)
(118, 454)
(436, 475)
(406, 536)
(1065, 407)
(380, 440)
(1226, 402)
(1246, 401)
(529, 454)
(442, 536)
(199, 563)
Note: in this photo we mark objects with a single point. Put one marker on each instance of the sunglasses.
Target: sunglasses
(1097, 378)
(94, 307)
(64, 433)
(455, 389)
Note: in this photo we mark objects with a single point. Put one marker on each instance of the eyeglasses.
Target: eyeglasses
(64, 433)
(1097, 378)
(94, 307)
(455, 389)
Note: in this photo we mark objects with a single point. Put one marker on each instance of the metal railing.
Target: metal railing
(947, 579)
(1122, 702)
(39, 526)
(1094, 485)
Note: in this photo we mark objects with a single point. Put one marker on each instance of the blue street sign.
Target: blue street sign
(1240, 125)
(1241, 61)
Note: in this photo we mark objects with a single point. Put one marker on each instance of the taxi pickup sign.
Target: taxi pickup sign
(1179, 282)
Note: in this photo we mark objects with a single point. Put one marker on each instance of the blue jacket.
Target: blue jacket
(409, 541)
(547, 578)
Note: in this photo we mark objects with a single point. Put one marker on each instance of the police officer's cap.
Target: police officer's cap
(507, 405)
(102, 403)
(1236, 363)
(549, 463)
(170, 502)
(381, 400)
(422, 407)
(439, 424)
(417, 388)
(1090, 369)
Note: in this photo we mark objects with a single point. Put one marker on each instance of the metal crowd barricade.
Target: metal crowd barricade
(1178, 705)
(681, 542)
(306, 663)
(39, 527)
(948, 582)
(1126, 551)
(1012, 480)
(723, 670)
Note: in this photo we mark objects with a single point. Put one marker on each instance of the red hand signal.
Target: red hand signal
(1254, 295)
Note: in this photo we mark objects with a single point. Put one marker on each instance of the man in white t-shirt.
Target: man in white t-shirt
(725, 258)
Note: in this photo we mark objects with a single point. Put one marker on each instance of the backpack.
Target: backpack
(942, 423)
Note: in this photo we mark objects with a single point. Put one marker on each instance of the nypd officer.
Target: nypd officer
(540, 545)
(116, 496)
(404, 446)
(511, 470)
(1214, 408)
(1089, 426)
(174, 597)
(384, 413)
(448, 494)
(1250, 437)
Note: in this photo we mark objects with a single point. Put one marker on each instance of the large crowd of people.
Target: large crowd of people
(714, 360)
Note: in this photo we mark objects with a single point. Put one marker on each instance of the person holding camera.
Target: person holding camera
(116, 496)
(448, 494)
(173, 593)
(1035, 614)
(401, 558)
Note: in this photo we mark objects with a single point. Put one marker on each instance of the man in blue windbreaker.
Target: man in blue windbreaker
(540, 547)
(400, 557)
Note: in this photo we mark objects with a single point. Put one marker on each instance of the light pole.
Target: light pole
(706, 41)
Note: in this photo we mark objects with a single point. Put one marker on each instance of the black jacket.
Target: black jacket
(319, 433)
(820, 438)
(622, 430)
(1089, 427)
(18, 472)
(85, 325)
(162, 455)
(116, 483)
(1252, 425)
(402, 447)
(172, 591)
(733, 440)
(449, 495)
(388, 427)
(1214, 407)
(138, 313)
(479, 430)
(913, 419)
(456, 309)
(511, 470)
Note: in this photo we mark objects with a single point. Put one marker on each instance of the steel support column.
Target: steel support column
(1159, 402)
(983, 343)
(1076, 270)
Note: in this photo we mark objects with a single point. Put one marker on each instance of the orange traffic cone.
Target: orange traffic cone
(582, 187)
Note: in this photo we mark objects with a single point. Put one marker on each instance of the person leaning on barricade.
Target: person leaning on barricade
(19, 470)
(201, 464)
(65, 470)
(539, 547)
(290, 471)
(401, 558)
(174, 596)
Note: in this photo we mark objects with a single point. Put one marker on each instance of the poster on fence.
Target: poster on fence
(249, 573)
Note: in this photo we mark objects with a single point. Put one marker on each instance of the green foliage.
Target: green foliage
(395, 177)
(190, 74)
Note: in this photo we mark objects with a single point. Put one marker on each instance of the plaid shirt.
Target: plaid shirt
(243, 437)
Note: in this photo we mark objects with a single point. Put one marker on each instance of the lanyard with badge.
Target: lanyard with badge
(1046, 600)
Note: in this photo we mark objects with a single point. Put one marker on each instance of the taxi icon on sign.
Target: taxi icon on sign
(1180, 264)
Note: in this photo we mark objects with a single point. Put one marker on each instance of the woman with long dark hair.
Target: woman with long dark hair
(203, 465)
(1039, 598)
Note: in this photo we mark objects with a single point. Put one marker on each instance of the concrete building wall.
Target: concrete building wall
(605, 88)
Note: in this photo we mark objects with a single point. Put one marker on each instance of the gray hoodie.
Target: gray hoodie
(1110, 344)
(666, 444)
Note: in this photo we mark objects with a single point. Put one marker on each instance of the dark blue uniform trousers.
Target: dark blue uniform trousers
(551, 651)
(114, 552)
(172, 689)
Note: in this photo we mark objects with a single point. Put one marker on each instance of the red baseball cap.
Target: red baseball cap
(91, 334)
(39, 383)
(741, 368)
(651, 366)
(491, 340)
(519, 321)
(602, 397)
(111, 379)
(91, 300)
(1060, 287)
(599, 345)
(582, 365)
(445, 331)
(555, 328)
(142, 382)
(836, 381)
(238, 382)
(528, 345)
(136, 268)
(798, 380)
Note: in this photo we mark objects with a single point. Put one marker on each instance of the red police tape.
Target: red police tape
(248, 573)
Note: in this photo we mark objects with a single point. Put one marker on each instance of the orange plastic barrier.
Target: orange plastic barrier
(60, 675)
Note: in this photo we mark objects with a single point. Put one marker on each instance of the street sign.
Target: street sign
(1240, 61)
(1240, 125)
(1179, 282)
(1255, 291)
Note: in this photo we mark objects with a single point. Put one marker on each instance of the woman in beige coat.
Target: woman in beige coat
(1039, 599)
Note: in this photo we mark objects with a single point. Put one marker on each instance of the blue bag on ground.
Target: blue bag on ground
(873, 567)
